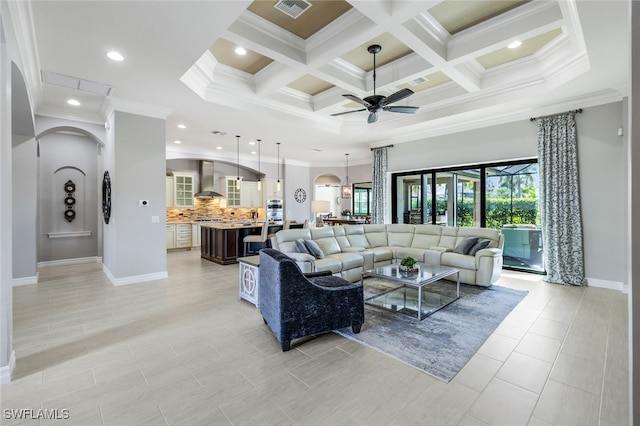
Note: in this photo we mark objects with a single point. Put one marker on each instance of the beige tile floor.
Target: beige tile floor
(186, 351)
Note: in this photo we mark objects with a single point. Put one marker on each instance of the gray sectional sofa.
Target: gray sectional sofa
(349, 250)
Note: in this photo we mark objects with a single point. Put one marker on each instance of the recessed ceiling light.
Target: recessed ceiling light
(218, 147)
(181, 126)
(240, 51)
(252, 143)
(514, 44)
(73, 102)
(178, 142)
(253, 152)
(115, 56)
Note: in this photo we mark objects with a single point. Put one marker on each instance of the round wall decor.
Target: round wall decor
(70, 200)
(300, 195)
(106, 197)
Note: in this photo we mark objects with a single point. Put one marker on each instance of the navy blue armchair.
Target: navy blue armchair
(294, 304)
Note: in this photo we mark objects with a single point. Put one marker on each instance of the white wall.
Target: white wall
(296, 177)
(601, 161)
(24, 199)
(135, 245)
(7, 355)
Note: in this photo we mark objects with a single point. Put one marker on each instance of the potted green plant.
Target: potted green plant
(408, 264)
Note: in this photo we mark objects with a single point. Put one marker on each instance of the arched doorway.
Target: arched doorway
(69, 171)
(327, 188)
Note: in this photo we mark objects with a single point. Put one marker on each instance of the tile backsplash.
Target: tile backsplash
(211, 209)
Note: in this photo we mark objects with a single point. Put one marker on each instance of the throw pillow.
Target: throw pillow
(479, 246)
(301, 247)
(465, 245)
(314, 249)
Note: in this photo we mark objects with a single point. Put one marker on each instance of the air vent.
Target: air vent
(417, 81)
(218, 132)
(76, 83)
(292, 8)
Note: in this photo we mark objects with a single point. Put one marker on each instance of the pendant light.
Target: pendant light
(346, 185)
(259, 179)
(278, 183)
(238, 161)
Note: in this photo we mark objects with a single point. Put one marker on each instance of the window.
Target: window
(362, 201)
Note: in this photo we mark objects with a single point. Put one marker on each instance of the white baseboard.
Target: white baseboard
(134, 279)
(75, 261)
(25, 280)
(7, 371)
(611, 285)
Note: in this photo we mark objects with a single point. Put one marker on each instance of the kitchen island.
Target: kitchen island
(222, 242)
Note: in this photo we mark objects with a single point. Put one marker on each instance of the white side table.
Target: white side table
(249, 277)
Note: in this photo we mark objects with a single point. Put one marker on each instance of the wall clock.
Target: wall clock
(106, 197)
(300, 195)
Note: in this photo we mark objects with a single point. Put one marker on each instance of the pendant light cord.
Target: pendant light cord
(238, 160)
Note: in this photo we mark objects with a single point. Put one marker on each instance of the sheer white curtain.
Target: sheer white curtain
(379, 186)
(560, 199)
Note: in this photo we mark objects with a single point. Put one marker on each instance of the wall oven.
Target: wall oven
(275, 210)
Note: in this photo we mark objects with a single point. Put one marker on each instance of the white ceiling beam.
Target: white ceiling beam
(523, 22)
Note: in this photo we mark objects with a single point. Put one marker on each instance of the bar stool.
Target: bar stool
(261, 238)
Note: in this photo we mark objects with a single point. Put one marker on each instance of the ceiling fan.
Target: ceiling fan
(375, 103)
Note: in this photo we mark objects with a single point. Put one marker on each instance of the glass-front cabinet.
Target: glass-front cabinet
(183, 189)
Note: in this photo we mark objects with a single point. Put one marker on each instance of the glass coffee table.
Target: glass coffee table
(410, 298)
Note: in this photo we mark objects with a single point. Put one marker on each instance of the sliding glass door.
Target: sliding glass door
(502, 196)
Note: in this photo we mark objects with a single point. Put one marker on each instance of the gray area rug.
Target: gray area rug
(442, 343)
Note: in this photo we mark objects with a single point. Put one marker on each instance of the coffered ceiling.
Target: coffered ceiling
(180, 61)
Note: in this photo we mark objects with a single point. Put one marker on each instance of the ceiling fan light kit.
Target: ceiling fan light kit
(375, 103)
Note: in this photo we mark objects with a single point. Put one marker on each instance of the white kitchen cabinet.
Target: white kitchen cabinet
(270, 189)
(171, 236)
(169, 194)
(183, 235)
(249, 195)
(195, 235)
(184, 189)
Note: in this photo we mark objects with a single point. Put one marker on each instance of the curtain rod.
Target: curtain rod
(388, 146)
(575, 111)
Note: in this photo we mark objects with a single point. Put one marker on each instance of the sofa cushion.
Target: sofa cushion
(381, 254)
(426, 236)
(400, 235)
(460, 261)
(329, 264)
(328, 245)
(449, 237)
(349, 260)
(465, 245)
(355, 236)
(314, 249)
(483, 243)
(301, 247)
(376, 235)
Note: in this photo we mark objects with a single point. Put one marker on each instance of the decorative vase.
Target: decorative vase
(405, 268)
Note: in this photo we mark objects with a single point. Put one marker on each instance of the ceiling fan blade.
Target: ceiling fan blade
(401, 109)
(348, 112)
(373, 117)
(398, 96)
(358, 100)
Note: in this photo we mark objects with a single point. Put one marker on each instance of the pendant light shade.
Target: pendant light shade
(346, 185)
(238, 161)
(278, 183)
(259, 174)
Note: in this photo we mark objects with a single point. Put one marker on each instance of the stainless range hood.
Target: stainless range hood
(207, 181)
